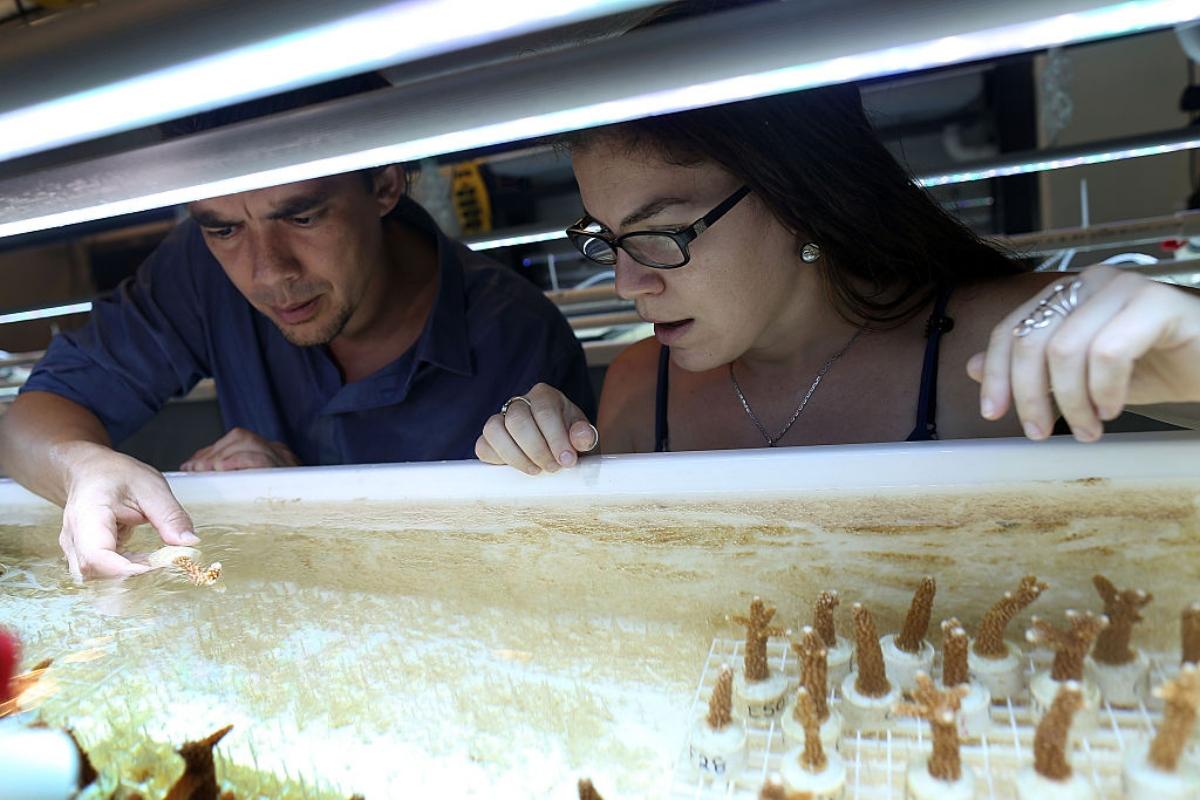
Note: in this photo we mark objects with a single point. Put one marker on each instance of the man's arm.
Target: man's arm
(41, 436)
(58, 449)
(101, 383)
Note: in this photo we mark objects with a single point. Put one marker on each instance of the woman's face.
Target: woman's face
(744, 277)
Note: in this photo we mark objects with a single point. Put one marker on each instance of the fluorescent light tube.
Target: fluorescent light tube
(731, 56)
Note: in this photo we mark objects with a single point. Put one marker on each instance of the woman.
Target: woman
(819, 306)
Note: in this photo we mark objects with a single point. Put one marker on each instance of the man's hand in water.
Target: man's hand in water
(108, 495)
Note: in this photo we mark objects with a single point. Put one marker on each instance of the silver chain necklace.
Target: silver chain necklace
(771, 440)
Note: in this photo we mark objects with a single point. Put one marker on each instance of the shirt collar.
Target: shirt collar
(443, 341)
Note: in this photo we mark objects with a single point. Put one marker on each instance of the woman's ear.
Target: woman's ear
(388, 185)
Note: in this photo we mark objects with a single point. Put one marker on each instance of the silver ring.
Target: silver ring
(1062, 300)
(511, 400)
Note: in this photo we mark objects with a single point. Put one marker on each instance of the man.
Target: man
(340, 325)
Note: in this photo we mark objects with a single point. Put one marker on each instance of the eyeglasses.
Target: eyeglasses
(657, 249)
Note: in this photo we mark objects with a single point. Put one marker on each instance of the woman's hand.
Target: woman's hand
(240, 449)
(540, 430)
(1128, 340)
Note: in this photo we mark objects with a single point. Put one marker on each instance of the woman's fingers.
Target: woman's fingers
(1030, 385)
(496, 434)
(525, 429)
(994, 387)
(1068, 344)
(1091, 343)
(485, 452)
(1143, 324)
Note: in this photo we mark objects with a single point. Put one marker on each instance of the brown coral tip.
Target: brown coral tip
(814, 669)
(720, 704)
(1071, 646)
(870, 676)
(1123, 611)
(827, 601)
(990, 642)
(199, 779)
(773, 789)
(954, 654)
(1050, 740)
(587, 791)
(813, 758)
(87, 771)
(1181, 700)
(1189, 625)
(938, 708)
(758, 631)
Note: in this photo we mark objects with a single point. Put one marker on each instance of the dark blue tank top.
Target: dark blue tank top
(926, 424)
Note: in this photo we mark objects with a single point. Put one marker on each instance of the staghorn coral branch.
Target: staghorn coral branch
(758, 631)
(916, 624)
(1071, 646)
(954, 654)
(1050, 740)
(720, 705)
(938, 707)
(827, 601)
(813, 758)
(87, 771)
(1122, 609)
(1181, 698)
(990, 642)
(199, 779)
(587, 791)
(1189, 629)
(870, 677)
(814, 670)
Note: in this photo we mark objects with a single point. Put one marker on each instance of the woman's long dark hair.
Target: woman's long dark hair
(814, 160)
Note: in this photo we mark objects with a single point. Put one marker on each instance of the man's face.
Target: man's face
(304, 254)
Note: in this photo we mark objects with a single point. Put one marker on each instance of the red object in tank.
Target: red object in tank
(10, 656)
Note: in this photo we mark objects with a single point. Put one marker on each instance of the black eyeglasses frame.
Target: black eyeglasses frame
(682, 238)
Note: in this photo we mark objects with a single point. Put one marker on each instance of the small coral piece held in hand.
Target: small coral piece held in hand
(196, 574)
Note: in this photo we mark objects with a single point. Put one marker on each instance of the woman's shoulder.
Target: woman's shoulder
(626, 416)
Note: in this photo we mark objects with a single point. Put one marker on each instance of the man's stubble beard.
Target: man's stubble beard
(300, 337)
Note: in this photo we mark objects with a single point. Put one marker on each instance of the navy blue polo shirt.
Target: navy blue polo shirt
(490, 335)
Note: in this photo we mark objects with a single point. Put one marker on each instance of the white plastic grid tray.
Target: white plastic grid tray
(876, 763)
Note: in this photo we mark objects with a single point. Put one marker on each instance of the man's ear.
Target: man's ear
(388, 185)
